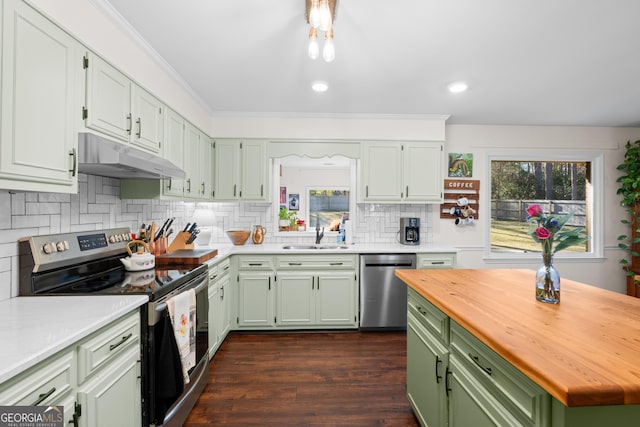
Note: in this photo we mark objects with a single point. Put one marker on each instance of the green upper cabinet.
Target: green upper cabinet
(402, 172)
(241, 170)
(119, 108)
(197, 164)
(41, 87)
(174, 137)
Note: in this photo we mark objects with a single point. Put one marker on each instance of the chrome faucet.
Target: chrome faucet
(319, 234)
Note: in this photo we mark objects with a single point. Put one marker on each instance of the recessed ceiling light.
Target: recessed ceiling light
(320, 86)
(457, 87)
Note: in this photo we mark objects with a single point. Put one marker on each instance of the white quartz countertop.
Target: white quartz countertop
(34, 328)
(225, 250)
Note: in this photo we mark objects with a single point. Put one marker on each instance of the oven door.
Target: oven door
(168, 401)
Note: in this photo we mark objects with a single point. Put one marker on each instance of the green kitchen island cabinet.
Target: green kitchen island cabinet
(481, 351)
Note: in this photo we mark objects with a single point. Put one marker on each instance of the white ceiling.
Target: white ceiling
(542, 62)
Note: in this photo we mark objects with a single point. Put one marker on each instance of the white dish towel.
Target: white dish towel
(182, 309)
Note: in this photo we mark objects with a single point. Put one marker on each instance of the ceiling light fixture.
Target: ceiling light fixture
(321, 14)
(458, 87)
(319, 86)
(314, 49)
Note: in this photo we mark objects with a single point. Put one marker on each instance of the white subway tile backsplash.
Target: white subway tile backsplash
(42, 208)
(17, 203)
(53, 198)
(6, 290)
(98, 206)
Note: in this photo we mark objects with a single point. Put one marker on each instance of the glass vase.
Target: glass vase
(547, 281)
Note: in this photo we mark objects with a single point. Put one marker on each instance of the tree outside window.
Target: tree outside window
(560, 187)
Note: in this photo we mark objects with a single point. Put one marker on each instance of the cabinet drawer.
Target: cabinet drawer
(522, 397)
(429, 315)
(258, 262)
(105, 345)
(45, 384)
(447, 260)
(213, 272)
(331, 262)
(218, 269)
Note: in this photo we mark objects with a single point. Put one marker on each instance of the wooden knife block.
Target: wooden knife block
(180, 242)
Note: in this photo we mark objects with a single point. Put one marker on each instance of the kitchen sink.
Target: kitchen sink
(306, 247)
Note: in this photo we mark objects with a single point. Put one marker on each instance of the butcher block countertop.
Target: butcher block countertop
(584, 351)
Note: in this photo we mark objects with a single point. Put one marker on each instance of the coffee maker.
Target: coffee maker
(410, 231)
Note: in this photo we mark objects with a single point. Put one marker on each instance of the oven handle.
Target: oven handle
(161, 306)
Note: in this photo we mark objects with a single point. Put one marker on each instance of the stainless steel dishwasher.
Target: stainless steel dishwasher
(383, 297)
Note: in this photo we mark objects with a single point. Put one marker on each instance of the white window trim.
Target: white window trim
(596, 209)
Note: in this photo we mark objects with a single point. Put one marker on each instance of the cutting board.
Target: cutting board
(186, 256)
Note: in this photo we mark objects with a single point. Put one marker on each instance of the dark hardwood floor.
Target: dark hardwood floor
(307, 380)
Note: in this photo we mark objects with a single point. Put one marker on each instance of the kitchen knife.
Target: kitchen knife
(170, 222)
(186, 227)
(193, 227)
(193, 236)
(169, 233)
(159, 233)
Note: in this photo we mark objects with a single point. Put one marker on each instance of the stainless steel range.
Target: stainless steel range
(88, 263)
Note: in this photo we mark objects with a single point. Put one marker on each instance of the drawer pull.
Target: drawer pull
(226, 267)
(43, 396)
(295, 263)
(421, 311)
(476, 360)
(447, 389)
(336, 263)
(255, 264)
(122, 341)
(437, 262)
(438, 376)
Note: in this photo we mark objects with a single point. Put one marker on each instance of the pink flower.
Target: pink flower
(534, 210)
(542, 233)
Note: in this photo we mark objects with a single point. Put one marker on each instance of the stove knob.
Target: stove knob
(49, 248)
(118, 237)
(112, 239)
(60, 247)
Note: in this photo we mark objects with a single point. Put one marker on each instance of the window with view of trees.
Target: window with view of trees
(560, 187)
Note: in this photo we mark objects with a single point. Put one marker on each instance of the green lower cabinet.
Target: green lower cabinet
(295, 299)
(113, 398)
(595, 416)
(426, 363)
(256, 301)
(470, 404)
(311, 299)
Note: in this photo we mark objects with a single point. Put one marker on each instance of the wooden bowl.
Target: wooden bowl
(238, 237)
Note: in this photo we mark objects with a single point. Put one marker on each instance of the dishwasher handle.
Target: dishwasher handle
(390, 264)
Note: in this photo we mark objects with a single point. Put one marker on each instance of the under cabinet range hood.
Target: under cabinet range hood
(101, 156)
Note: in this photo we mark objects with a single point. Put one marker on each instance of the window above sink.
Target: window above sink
(315, 189)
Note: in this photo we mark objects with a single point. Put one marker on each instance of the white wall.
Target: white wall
(485, 140)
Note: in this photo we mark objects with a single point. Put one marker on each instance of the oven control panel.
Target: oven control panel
(55, 250)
